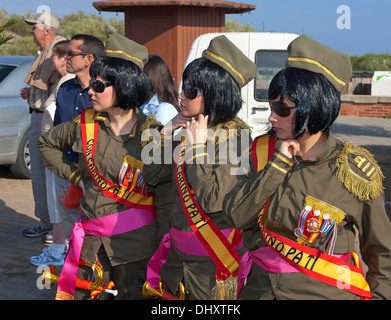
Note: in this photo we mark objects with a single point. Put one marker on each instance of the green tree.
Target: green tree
(371, 62)
(233, 25)
(3, 27)
(90, 24)
(22, 42)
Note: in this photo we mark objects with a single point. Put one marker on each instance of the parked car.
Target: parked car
(14, 115)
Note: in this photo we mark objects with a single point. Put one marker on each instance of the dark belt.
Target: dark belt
(35, 110)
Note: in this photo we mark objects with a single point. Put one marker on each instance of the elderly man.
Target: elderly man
(41, 79)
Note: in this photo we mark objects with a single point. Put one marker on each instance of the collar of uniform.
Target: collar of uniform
(331, 146)
(103, 116)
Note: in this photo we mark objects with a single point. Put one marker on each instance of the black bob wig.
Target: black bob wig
(130, 83)
(222, 97)
(317, 101)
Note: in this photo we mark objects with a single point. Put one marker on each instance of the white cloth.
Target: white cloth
(163, 111)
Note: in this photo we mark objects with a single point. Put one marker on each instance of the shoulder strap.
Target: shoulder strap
(262, 149)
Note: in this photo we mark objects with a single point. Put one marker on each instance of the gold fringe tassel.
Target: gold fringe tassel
(225, 289)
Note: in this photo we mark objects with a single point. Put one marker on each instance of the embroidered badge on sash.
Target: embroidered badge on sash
(130, 174)
(318, 217)
(368, 182)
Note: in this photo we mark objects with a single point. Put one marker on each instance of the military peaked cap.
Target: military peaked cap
(118, 46)
(305, 53)
(225, 54)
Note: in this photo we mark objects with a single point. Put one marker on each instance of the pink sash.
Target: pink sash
(113, 224)
(186, 242)
(267, 259)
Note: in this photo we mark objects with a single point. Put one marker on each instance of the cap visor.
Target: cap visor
(30, 21)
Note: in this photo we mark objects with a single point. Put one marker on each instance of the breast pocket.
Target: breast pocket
(77, 146)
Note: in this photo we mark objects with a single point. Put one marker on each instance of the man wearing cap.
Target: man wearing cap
(307, 192)
(42, 79)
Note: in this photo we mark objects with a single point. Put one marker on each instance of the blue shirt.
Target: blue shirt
(71, 100)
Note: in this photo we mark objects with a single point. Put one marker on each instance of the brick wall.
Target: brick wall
(365, 106)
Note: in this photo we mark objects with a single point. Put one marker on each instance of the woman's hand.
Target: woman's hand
(288, 148)
(197, 129)
(177, 122)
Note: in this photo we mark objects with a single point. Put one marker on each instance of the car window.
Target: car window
(268, 64)
(5, 70)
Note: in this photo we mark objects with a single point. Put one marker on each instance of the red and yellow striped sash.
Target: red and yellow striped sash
(129, 195)
(220, 249)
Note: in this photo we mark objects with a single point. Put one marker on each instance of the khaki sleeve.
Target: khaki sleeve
(375, 247)
(51, 145)
(244, 202)
(213, 170)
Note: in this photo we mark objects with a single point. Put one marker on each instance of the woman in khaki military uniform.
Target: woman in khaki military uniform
(201, 246)
(117, 219)
(308, 192)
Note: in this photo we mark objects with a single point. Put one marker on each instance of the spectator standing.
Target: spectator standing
(42, 79)
(163, 101)
(59, 215)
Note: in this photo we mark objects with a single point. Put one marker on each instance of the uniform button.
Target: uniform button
(110, 258)
(288, 192)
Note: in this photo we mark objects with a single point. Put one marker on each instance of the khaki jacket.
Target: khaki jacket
(210, 174)
(110, 152)
(338, 178)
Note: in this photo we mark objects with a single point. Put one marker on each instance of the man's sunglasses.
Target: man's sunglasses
(71, 53)
(99, 86)
(191, 91)
(281, 108)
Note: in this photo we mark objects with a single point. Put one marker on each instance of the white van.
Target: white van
(268, 51)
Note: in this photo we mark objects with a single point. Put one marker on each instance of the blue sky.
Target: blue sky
(369, 29)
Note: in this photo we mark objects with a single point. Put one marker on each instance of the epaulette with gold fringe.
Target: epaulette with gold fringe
(359, 172)
(228, 130)
(149, 122)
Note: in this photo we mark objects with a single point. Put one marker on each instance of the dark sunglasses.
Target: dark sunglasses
(99, 86)
(71, 53)
(191, 91)
(281, 108)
